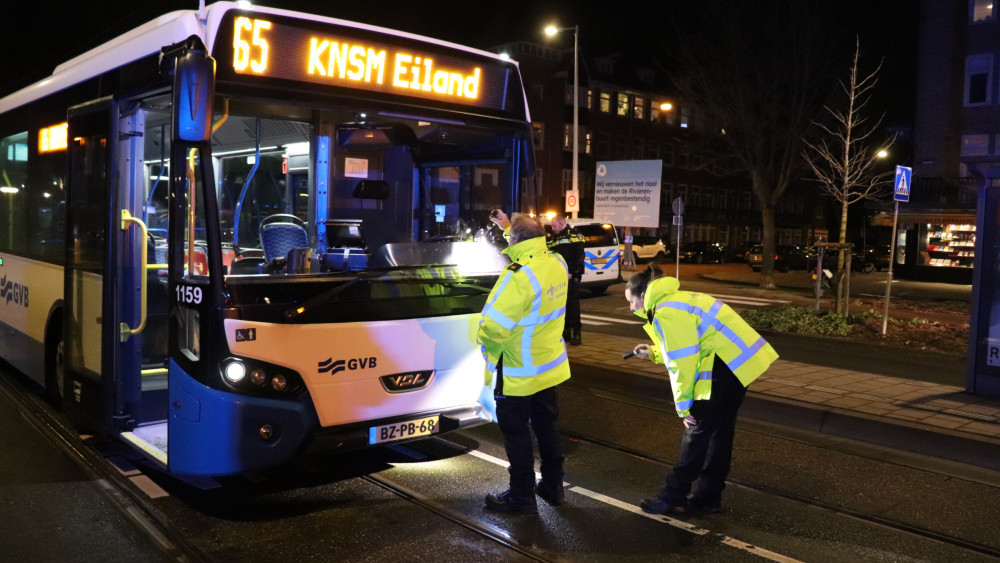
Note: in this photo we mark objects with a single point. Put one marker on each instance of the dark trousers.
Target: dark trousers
(706, 451)
(517, 418)
(572, 307)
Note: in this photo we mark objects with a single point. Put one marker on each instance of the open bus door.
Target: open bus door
(169, 275)
(90, 312)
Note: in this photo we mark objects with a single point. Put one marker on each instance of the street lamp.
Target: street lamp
(551, 31)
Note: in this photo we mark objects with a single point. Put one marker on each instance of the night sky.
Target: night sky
(35, 37)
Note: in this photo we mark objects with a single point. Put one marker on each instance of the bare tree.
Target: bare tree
(753, 74)
(844, 158)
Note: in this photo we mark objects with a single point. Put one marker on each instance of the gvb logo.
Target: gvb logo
(335, 367)
(15, 293)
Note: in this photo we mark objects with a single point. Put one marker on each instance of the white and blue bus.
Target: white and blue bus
(238, 233)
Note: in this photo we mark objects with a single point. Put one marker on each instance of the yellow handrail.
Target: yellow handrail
(126, 331)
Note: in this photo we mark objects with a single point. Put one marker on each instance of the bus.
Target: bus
(236, 234)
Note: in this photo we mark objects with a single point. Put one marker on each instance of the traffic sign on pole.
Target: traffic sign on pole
(901, 185)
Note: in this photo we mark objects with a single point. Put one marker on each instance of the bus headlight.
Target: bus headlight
(258, 377)
(235, 371)
(279, 382)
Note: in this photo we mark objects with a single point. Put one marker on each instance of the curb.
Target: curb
(899, 435)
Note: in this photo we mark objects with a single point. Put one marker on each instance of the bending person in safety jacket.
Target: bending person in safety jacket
(521, 337)
(711, 355)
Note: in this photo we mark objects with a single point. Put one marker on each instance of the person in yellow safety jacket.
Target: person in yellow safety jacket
(711, 355)
(521, 337)
(566, 241)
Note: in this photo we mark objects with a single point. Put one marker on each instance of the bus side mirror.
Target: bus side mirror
(194, 91)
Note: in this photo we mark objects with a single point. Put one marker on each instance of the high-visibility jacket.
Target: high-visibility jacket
(523, 320)
(688, 330)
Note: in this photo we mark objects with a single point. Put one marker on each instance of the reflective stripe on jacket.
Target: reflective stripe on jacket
(523, 321)
(688, 330)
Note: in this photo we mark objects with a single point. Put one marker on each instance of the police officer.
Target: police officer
(711, 355)
(569, 244)
(520, 334)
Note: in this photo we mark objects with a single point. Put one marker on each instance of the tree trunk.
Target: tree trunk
(840, 299)
(767, 265)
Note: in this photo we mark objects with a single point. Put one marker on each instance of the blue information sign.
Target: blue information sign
(901, 186)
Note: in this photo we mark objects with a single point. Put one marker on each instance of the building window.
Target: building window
(977, 79)
(603, 146)
(709, 197)
(975, 145)
(538, 135)
(639, 107)
(653, 150)
(590, 99)
(667, 190)
(668, 154)
(586, 142)
(670, 117)
(538, 181)
(605, 102)
(621, 147)
(622, 104)
(685, 117)
(567, 179)
(980, 10)
(682, 192)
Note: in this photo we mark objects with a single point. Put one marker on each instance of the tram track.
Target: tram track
(113, 486)
(478, 527)
(769, 430)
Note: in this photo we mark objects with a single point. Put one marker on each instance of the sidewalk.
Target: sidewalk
(942, 421)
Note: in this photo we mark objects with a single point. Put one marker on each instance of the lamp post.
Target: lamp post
(552, 30)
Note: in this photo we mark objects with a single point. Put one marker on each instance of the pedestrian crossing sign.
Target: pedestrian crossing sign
(901, 186)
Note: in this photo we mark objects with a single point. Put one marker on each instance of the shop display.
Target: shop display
(951, 245)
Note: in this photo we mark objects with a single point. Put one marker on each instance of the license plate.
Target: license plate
(599, 261)
(403, 430)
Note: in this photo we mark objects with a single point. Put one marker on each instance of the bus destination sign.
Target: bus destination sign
(267, 48)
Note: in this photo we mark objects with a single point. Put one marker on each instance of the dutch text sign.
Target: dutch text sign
(627, 192)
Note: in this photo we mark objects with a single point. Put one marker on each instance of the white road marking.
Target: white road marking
(628, 507)
(608, 320)
(762, 300)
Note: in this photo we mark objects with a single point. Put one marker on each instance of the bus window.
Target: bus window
(195, 245)
(257, 158)
(13, 193)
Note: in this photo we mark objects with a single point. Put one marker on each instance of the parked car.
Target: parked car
(871, 259)
(702, 251)
(647, 248)
(742, 252)
(786, 257)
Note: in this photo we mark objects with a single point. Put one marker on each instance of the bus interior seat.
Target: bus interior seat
(281, 233)
(246, 265)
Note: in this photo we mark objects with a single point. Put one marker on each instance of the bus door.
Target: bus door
(94, 281)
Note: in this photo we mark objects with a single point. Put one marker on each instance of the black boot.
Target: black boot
(508, 502)
(574, 339)
(551, 493)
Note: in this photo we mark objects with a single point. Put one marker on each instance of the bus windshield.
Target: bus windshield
(324, 192)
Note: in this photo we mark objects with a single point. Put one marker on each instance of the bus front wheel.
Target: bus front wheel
(55, 363)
